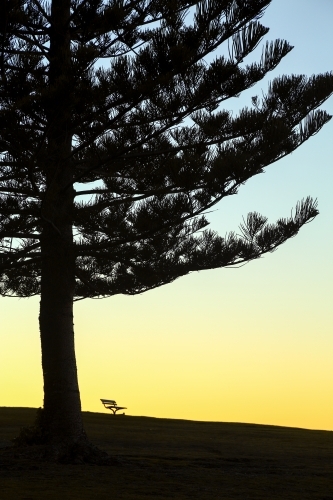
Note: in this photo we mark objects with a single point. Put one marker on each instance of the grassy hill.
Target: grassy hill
(176, 459)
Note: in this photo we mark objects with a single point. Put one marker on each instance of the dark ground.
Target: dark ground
(174, 459)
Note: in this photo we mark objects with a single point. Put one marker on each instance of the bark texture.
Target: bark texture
(62, 421)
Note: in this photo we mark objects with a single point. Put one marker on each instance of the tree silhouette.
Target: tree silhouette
(106, 174)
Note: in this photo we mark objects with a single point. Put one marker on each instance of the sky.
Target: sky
(252, 344)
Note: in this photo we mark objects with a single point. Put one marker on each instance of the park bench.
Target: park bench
(110, 404)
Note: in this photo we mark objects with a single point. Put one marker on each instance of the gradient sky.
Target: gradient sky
(253, 344)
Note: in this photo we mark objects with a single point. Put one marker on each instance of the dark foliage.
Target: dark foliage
(153, 174)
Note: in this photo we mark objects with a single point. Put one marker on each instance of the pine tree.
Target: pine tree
(106, 174)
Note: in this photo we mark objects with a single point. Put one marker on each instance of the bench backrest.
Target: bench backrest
(108, 402)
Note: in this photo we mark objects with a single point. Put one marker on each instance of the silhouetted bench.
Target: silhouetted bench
(112, 405)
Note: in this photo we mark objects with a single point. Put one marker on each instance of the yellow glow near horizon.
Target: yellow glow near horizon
(194, 350)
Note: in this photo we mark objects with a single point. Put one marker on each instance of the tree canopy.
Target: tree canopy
(153, 176)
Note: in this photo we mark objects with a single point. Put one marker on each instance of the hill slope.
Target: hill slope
(176, 459)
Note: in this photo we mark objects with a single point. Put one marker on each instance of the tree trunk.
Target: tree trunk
(62, 407)
(61, 421)
(59, 425)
